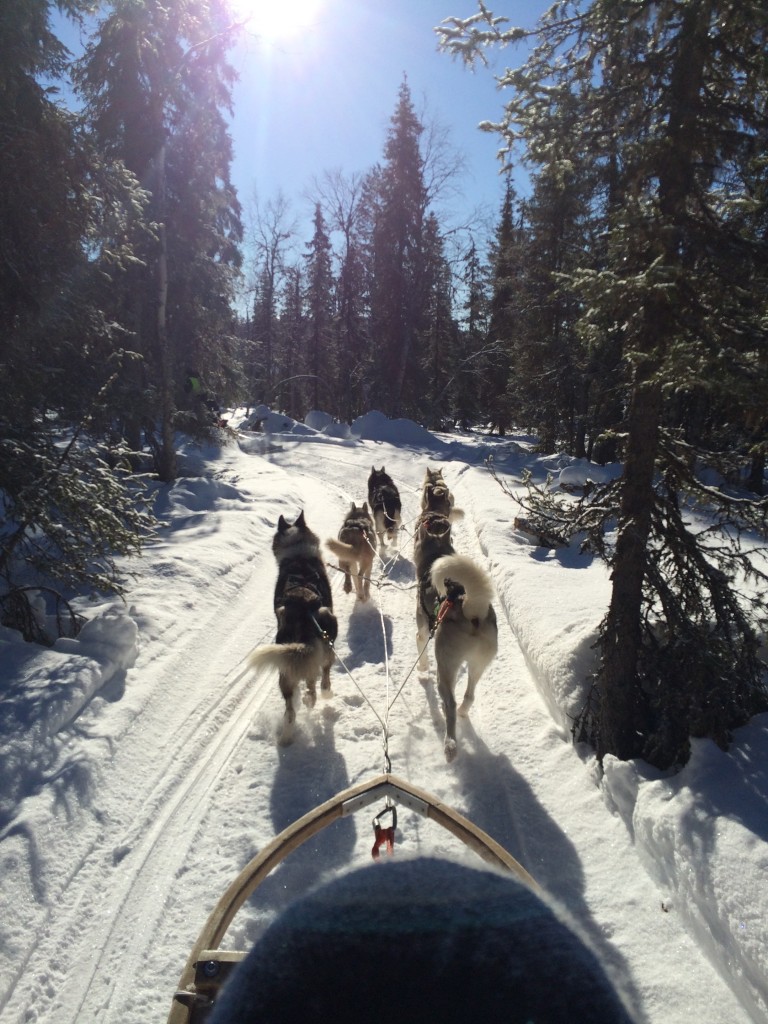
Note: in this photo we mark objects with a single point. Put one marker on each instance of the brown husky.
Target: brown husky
(306, 625)
(435, 496)
(454, 603)
(355, 549)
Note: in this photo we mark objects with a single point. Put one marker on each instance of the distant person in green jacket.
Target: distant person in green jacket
(201, 396)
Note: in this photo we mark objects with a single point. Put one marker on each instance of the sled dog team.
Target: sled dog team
(453, 603)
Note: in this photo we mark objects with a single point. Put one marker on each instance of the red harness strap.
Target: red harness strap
(445, 607)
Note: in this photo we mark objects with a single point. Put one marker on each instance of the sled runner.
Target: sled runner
(208, 967)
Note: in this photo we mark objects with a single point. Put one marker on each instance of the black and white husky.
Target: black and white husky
(454, 600)
(384, 502)
(306, 625)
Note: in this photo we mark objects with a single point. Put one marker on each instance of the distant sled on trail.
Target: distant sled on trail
(208, 967)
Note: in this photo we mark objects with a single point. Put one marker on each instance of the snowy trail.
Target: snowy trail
(192, 745)
(194, 731)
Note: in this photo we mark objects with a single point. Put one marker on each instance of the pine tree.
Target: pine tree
(504, 321)
(439, 340)
(67, 502)
(474, 329)
(294, 381)
(549, 390)
(666, 110)
(274, 230)
(398, 200)
(156, 82)
(321, 361)
(342, 201)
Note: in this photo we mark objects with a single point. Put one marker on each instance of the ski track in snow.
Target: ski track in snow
(214, 729)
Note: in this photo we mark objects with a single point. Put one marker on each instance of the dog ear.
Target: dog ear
(365, 507)
(300, 521)
(353, 507)
(282, 525)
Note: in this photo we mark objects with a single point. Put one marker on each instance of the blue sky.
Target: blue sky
(323, 100)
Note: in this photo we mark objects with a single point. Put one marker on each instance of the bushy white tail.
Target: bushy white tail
(476, 583)
(299, 661)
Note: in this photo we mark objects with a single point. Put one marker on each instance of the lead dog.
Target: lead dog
(436, 497)
(306, 625)
(384, 500)
(454, 602)
(355, 549)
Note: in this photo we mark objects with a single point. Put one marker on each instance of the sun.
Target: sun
(273, 20)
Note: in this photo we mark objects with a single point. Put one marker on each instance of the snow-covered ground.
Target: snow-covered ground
(140, 769)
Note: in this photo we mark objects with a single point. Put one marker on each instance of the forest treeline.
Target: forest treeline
(618, 313)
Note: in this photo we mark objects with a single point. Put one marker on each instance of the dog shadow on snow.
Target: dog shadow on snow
(500, 801)
(309, 772)
(364, 636)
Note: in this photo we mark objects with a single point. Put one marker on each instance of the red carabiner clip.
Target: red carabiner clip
(384, 835)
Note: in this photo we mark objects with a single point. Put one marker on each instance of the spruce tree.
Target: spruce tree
(398, 199)
(321, 358)
(342, 201)
(439, 339)
(67, 501)
(273, 232)
(469, 367)
(665, 112)
(504, 319)
(157, 84)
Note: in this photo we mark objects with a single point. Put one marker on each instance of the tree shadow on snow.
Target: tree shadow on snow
(500, 801)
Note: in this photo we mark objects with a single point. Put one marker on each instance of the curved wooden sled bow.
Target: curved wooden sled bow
(208, 967)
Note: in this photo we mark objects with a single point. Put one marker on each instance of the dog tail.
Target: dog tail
(340, 549)
(475, 581)
(291, 659)
(455, 514)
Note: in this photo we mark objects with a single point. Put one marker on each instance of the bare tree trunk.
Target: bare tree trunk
(166, 455)
(624, 708)
(622, 723)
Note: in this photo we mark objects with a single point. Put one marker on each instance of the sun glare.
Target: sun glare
(273, 20)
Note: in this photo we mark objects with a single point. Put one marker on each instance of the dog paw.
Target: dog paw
(450, 750)
(310, 699)
(285, 739)
(326, 694)
(464, 708)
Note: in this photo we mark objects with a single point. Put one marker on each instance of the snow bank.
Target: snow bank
(702, 833)
(48, 689)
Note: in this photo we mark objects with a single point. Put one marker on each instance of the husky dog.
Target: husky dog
(454, 600)
(306, 625)
(435, 496)
(432, 541)
(384, 499)
(355, 549)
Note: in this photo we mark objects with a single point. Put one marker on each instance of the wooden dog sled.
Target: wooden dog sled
(208, 966)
